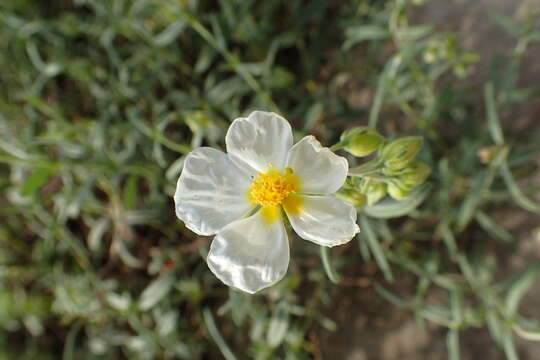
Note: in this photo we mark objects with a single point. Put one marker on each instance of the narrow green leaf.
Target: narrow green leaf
(527, 334)
(98, 229)
(232, 59)
(15, 150)
(389, 208)
(494, 124)
(216, 335)
(125, 255)
(390, 297)
(472, 200)
(156, 291)
(413, 33)
(156, 135)
(449, 240)
(494, 229)
(131, 192)
(364, 249)
(384, 230)
(506, 22)
(34, 55)
(278, 326)
(36, 180)
(435, 314)
(171, 33)
(313, 116)
(481, 186)
(516, 192)
(432, 313)
(206, 56)
(327, 265)
(520, 286)
(225, 90)
(71, 338)
(327, 323)
(456, 306)
(509, 346)
(357, 34)
(375, 247)
(494, 325)
(448, 282)
(452, 343)
(379, 95)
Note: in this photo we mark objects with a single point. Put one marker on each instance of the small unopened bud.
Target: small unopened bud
(400, 153)
(355, 197)
(489, 153)
(460, 71)
(416, 174)
(361, 141)
(397, 192)
(375, 191)
(431, 53)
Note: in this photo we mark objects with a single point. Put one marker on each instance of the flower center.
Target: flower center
(272, 187)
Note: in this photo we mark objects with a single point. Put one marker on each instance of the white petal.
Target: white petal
(210, 193)
(262, 138)
(320, 170)
(250, 254)
(325, 220)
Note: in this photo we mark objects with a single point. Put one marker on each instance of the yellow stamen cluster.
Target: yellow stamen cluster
(272, 187)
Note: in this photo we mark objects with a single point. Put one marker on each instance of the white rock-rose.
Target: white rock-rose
(241, 197)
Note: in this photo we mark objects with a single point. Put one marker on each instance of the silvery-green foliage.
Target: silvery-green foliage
(100, 101)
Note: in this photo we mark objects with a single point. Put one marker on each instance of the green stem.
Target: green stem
(337, 146)
(369, 168)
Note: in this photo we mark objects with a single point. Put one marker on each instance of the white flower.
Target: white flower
(240, 197)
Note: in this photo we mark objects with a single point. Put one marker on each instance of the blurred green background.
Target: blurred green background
(100, 100)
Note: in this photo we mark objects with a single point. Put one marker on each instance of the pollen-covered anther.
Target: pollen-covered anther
(272, 187)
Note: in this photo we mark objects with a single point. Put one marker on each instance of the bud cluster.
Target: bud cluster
(446, 49)
(394, 170)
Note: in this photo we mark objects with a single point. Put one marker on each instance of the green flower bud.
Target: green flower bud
(397, 192)
(416, 174)
(490, 154)
(460, 71)
(400, 153)
(361, 141)
(375, 191)
(355, 197)
(431, 53)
